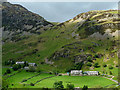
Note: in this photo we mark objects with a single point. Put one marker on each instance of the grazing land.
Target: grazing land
(78, 81)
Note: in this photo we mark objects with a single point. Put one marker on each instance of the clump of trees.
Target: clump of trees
(8, 71)
(85, 87)
(16, 67)
(10, 62)
(78, 66)
(89, 64)
(58, 85)
(70, 86)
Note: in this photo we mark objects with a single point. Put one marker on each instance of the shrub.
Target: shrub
(96, 65)
(24, 80)
(7, 63)
(19, 66)
(31, 84)
(15, 67)
(70, 86)
(5, 73)
(12, 62)
(56, 72)
(8, 71)
(42, 62)
(12, 84)
(89, 58)
(104, 65)
(89, 64)
(110, 73)
(60, 75)
(110, 67)
(50, 72)
(96, 56)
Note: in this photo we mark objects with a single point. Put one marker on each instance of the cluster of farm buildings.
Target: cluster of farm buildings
(26, 67)
(80, 72)
(72, 73)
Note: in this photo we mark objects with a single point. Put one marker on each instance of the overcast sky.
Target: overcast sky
(62, 11)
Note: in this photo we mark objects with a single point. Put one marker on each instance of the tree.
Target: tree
(89, 58)
(70, 86)
(15, 67)
(19, 66)
(56, 72)
(7, 63)
(104, 65)
(85, 87)
(89, 64)
(31, 84)
(96, 65)
(8, 71)
(12, 62)
(96, 56)
(110, 73)
(58, 85)
(110, 67)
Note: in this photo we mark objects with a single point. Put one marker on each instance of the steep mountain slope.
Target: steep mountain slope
(89, 41)
(18, 21)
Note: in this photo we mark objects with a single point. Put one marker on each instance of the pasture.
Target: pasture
(78, 81)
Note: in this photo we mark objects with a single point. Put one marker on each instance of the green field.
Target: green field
(78, 81)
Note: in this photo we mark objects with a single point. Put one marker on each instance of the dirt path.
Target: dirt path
(112, 79)
(117, 83)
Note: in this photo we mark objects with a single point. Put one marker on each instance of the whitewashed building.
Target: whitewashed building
(32, 64)
(76, 72)
(26, 68)
(91, 73)
(22, 62)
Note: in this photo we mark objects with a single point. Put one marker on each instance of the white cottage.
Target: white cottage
(22, 62)
(26, 68)
(76, 72)
(91, 72)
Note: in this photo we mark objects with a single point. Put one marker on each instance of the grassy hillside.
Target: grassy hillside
(73, 44)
